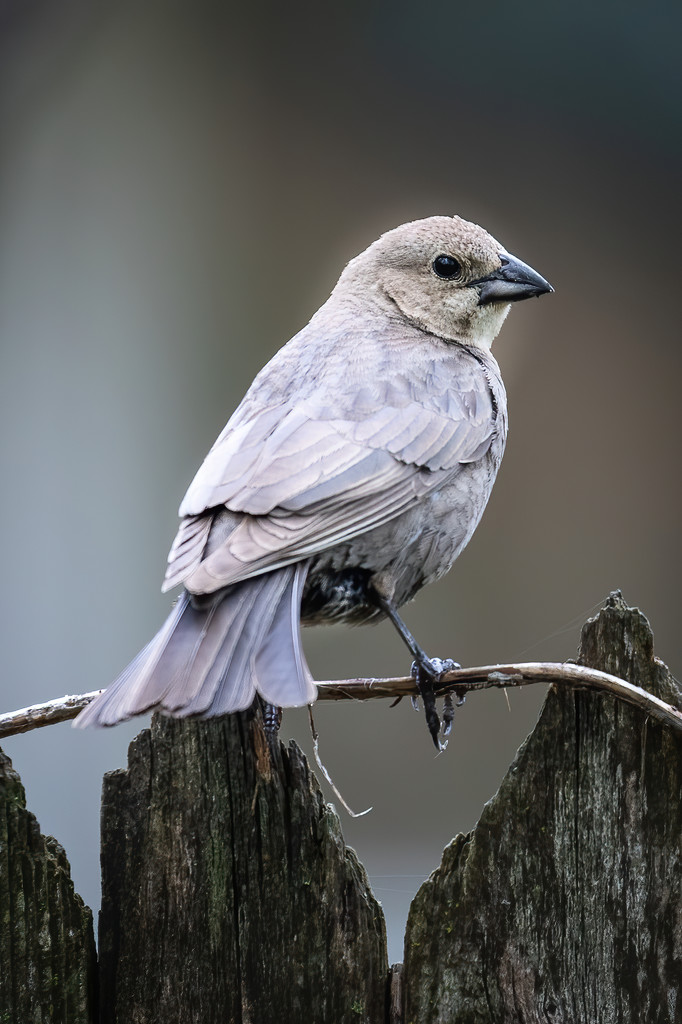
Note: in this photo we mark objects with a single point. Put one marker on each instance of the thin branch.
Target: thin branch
(60, 709)
(463, 680)
(460, 681)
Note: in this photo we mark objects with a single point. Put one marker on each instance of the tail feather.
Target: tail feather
(227, 685)
(279, 666)
(281, 676)
(127, 695)
(212, 661)
(201, 642)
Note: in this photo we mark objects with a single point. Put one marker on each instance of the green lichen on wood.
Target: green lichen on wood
(565, 902)
(47, 949)
(228, 888)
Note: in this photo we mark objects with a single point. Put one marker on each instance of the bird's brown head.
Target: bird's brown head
(445, 275)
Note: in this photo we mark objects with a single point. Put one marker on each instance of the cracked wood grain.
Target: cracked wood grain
(564, 904)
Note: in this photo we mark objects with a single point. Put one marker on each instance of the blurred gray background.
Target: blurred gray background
(180, 186)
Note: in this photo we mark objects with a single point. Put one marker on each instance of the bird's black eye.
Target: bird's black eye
(447, 267)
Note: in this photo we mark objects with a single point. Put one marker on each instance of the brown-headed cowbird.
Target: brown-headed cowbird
(353, 473)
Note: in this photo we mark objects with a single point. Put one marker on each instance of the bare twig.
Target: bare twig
(460, 680)
(320, 765)
(60, 709)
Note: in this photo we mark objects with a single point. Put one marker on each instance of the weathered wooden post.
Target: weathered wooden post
(565, 902)
(228, 891)
(47, 947)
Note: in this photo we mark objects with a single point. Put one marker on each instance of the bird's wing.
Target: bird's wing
(307, 479)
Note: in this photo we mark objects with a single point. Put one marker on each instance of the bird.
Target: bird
(352, 474)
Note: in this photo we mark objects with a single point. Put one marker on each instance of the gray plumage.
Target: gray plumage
(359, 462)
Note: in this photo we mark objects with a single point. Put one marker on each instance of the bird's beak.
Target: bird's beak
(513, 281)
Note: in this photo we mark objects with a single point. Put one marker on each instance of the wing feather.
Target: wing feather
(305, 478)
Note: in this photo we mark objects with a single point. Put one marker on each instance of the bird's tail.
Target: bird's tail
(210, 661)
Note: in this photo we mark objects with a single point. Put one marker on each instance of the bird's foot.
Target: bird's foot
(449, 709)
(272, 718)
(426, 673)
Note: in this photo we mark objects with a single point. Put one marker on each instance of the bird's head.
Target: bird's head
(445, 275)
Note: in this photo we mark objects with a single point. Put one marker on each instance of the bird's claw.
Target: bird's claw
(432, 668)
(442, 665)
(426, 673)
(448, 714)
(272, 718)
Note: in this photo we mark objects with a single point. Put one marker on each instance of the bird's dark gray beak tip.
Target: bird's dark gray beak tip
(512, 282)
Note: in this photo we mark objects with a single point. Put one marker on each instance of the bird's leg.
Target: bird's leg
(425, 671)
(272, 717)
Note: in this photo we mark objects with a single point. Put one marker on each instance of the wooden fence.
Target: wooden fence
(229, 894)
